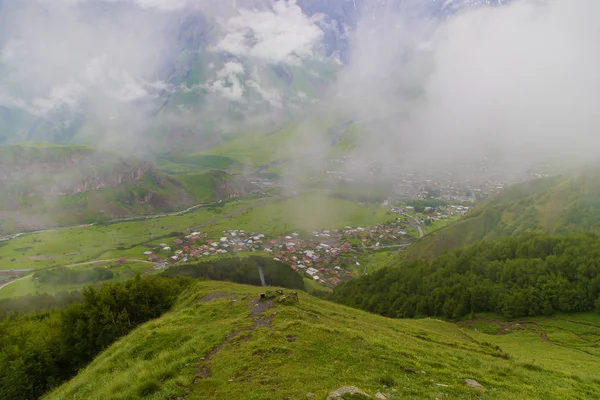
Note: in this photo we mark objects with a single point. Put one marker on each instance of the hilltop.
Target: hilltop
(221, 341)
(47, 185)
(555, 205)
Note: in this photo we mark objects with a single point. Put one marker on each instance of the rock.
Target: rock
(357, 393)
(474, 384)
(380, 396)
(310, 395)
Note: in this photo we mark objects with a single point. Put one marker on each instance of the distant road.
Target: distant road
(113, 221)
(5, 284)
(212, 221)
(420, 231)
(418, 226)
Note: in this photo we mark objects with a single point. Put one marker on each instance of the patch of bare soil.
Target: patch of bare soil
(215, 296)
(258, 307)
(544, 337)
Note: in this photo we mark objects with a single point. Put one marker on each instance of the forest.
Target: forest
(535, 274)
(242, 270)
(41, 348)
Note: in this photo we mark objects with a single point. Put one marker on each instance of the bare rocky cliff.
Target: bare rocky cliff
(56, 172)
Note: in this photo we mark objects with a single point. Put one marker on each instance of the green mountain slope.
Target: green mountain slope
(557, 205)
(221, 342)
(46, 185)
(516, 277)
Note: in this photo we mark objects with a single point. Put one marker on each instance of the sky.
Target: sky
(113, 60)
(520, 79)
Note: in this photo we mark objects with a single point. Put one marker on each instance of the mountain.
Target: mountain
(47, 185)
(556, 205)
(516, 277)
(160, 76)
(193, 74)
(221, 341)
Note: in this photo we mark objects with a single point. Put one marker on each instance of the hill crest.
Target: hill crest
(221, 342)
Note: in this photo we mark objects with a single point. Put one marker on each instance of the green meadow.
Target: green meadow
(127, 239)
(217, 344)
(29, 285)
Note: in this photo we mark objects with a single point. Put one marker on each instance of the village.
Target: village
(329, 257)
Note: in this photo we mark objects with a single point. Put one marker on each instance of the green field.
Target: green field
(292, 141)
(566, 343)
(557, 205)
(125, 239)
(215, 344)
(29, 286)
(75, 245)
(437, 225)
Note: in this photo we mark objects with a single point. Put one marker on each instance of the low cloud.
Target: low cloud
(59, 56)
(229, 85)
(281, 34)
(519, 81)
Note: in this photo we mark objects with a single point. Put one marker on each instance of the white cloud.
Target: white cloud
(271, 96)
(58, 55)
(10, 51)
(66, 94)
(231, 68)
(519, 80)
(229, 85)
(283, 34)
(166, 5)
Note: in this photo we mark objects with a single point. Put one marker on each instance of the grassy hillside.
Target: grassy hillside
(47, 185)
(557, 205)
(520, 276)
(269, 216)
(220, 342)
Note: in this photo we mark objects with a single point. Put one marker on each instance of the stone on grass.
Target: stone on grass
(474, 384)
(348, 392)
(310, 395)
(380, 396)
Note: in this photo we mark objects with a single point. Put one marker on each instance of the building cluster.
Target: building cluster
(326, 256)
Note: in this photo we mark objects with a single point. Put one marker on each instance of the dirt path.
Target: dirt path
(258, 308)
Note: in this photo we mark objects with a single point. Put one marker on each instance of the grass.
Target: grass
(314, 287)
(289, 141)
(304, 212)
(29, 286)
(437, 225)
(74, 245)
(371, 260)
(217, 349)
(126, 239)
(195, 162)
(556, 205)
(562, 343)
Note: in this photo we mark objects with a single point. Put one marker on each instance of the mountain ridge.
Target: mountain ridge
(221, 340)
